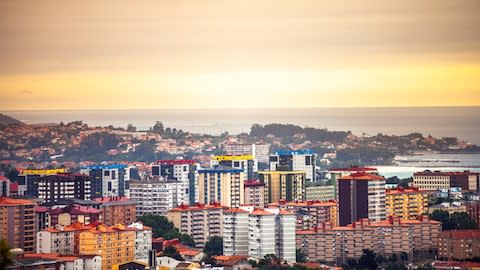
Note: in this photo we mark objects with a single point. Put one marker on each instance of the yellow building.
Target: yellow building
(221, 185)
(115, 244)
(409, 203)
(283, 185)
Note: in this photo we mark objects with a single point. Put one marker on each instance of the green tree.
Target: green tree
(214, 246)
(6, 257)
(172, 252)
(367, 260)
(456, 221)
(300, 256)
(161, 227)
(158, 127)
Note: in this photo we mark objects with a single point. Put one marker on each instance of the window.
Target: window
(106, 173)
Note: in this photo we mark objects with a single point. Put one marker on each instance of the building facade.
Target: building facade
(59, 240)
(143, 241)
(4, 186)
(301, 160)
(361, 195)
(17, 218)
(459, 245)
(311, 214)
(247, 163)
(73, 213)
(473, 210)
(109, 180)
(261, 152)
(319, 192)
(254, 193)
(54, 188)
(117, 210)
(201, 221)
(235, 232)
(335, 173)
(392, 236)
(155, 196)
(406, 203)
(437, 180)
(183, 171)
(222, 185)
(283, 185)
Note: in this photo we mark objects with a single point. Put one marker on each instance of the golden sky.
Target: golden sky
(238, 54)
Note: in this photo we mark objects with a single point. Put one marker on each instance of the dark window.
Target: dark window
(156, 170)
(114, 175)
(236, 164)
(106, 173)
(308, 160)
(109, 186)
(273, 159)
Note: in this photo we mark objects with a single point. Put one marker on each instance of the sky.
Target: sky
(238, 54)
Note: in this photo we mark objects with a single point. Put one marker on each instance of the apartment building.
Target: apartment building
(4, 186)
(223, 185)
(235, 232)
(310, 214)
(459, 245)
(27, 180)
(437, 180)
(283, 185)
(335, 173)
(181, 170)
(109, 180)
(301, 160)
(260, 152)
(155, 196)
(115, 244)
(117, 210)
(73, 213)
(254, 193)
(386, 237)
(318, 192)
(247, 163)
(406, 203)
(18, 221)
(54, 188)
(143, 241)
(473, 210)
(201, 221)
(361, 195)
(58, 240)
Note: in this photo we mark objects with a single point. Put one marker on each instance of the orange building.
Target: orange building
(17, 223)
(117, 210)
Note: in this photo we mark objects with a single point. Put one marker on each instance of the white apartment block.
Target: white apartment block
(143, 241)
(261, 233)
(235, 232)
(301, 160)
(155, 196)
(53, 240)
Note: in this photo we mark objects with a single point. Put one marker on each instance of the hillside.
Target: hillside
(6, 120)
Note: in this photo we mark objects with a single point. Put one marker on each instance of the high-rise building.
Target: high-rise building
(155, 196)
(235, 232)
(310, 214)
(117, 210)
(53, 188)
(115, 244)
(437, 180)
(271, 231)
(17, 220)
(109, 180)
(143, 241)
(73, 213)
(27, 180)
(301, 160)
(247, 163)
(283, 185)
(254, 193)
(260, 151)
(185, 172)
(459, 245)
(335, 173)
(406, 203)
(361, 195)
(201, 221)
(222, 185)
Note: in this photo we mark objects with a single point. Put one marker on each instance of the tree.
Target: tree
(131, 128)
(161, 227)
(6, 257)
(456, 221)
(300, 256)
(158, 127)
(172, 252)
(214, 246)
(367, 260)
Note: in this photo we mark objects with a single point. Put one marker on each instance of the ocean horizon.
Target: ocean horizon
(460, 122)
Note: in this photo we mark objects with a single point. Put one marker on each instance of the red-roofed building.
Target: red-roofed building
(361, 195)
(201, 221)
(17, 223)
(406, 203)
(310, 214)
(459, 245)
(456, 265)
(73, 213)
(116, 210)
(437, 180)
(233, 262)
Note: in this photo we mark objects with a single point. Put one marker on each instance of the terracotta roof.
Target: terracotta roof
(305, 203)
(11, 201)
(403, 190)
(197, 207)
(235, 210)
(362, 176)
(285, 212)
(2, 178)
(51, 256)
(461, 234)
(229, 260)
(253, 183)
(260, 212)
(40, 209)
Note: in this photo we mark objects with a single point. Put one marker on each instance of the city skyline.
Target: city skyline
(177, 55)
